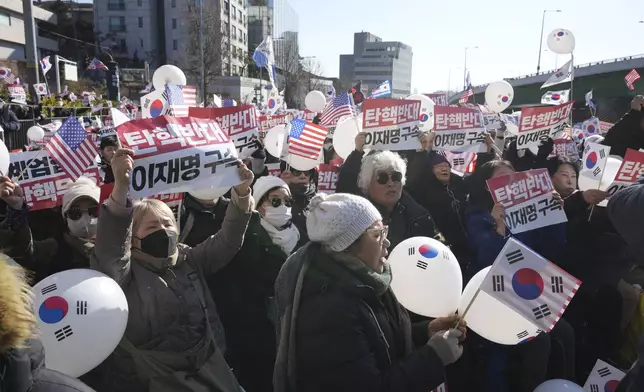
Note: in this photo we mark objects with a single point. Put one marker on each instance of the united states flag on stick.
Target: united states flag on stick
(631, 78)
(180, 99)
(72, 148)
(466, 95)
(306, 139)
(338, 107)
(529, 284)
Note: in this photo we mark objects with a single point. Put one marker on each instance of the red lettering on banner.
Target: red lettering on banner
(520, 187)
(386, 112)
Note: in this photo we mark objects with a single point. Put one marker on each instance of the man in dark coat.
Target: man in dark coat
(201, 218)
(8, 120)
(628, 132)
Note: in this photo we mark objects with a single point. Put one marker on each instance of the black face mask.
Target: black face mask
(299, 189)
(161, 243)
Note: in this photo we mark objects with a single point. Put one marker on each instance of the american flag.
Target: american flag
(338, 107)
(97, 64)
(180, 99)
(72, 148)
(7, 76)
(631, 78)
(466, 95)
(306, 139)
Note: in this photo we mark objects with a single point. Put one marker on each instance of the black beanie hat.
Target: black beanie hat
(436, 159)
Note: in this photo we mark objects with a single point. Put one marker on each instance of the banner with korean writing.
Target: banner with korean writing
(632, 169)
(268, 122)
(391, 124)
(239, 123)
(181, 152)
(328, 178)
(458, 129)
(565, 147)
(528, 201)
(539, 123)
(17, 93)
(42, 180)
(439, 99)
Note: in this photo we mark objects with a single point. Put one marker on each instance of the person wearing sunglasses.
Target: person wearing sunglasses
(380, 177)
(302, 184)
(340, 326)
(247, 283)
(72, 247)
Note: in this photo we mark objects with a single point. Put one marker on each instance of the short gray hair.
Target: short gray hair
(378, 162)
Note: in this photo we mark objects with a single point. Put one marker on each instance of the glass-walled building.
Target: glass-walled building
(279, 20)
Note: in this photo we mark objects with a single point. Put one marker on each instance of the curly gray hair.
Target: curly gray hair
(378, 162)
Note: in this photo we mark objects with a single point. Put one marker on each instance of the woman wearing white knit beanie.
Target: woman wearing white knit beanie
(340, 325)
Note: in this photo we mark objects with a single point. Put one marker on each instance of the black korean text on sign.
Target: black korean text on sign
(169, 172)
(226, 159)
(549, 204)
(522, 216)
(557, 284)
(63, 333)
(48, 289)
(541, 311)
(514, 256)
(498, 283)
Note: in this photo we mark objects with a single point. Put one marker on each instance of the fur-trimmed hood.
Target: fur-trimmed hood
(16, 318)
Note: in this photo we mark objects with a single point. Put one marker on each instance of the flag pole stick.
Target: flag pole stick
(592, 209)
(461, 317)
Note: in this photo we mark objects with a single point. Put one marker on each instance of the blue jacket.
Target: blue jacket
(486, 243)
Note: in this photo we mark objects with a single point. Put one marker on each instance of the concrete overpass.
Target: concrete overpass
(605, 78)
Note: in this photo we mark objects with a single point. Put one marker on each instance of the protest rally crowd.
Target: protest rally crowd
(358, 245)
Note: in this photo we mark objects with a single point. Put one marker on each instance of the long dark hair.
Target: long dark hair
(553, 164)
(480, 197)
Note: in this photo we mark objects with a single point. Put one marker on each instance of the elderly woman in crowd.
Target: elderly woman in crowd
(380, 176)
(341, 328)
(174, 340)
(74, 243)
(243, 290)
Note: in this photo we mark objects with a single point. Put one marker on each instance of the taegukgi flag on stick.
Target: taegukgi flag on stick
(594, 161)
(555, 97)
(603, 377)
(534, 287)
(562, 75)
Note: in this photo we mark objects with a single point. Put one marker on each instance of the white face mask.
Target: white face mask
(85, 227)
(278, 216)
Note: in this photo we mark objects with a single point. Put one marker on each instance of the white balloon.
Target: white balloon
(344, 136)
(208, 193)
(275, 140)
(499, 96)
(315, 101)
(561, 41)
(4, 159)
(81, 316)
(558, 385)
(35, 133)
(426, 111)
(168, 74)
(490, 318)
(427, 278)
(301, 163)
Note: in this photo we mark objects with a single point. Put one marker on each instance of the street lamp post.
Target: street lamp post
(465, 66)
(449, 78)
(543, 22)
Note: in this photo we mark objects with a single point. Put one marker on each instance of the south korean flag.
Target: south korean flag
(440, 388)
(603, 378)
(534, 287)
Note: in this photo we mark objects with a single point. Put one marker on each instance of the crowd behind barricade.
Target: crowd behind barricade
(270, 285)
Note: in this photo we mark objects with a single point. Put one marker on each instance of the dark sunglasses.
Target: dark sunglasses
(296, 172)
(383, 177)
(75, 213)
(276, 202)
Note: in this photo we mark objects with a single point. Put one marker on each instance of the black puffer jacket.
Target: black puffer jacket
(24, 371)
(349, 339)
(626, 133)
(199, 222)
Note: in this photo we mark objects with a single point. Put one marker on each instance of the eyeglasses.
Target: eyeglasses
(381, 233)
(76, 213)
(276, 202)
(383, 177)
(296, 172)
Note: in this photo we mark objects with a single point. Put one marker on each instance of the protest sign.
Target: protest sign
(439, 99)
(528, 201)
(177, 153)
(17, 93)
(459, 130)
(539, 123)
(268, 122)
(565, 147)
(328, 178)
(42, 180)
(632, 169)
(391, 124)
(238, 122)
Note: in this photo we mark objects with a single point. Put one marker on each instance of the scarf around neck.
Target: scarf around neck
(286, 239)
(352, 271)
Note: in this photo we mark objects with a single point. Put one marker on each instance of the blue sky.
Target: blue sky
(506, 32)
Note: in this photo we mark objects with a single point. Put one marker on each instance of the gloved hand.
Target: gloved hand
(446, 345)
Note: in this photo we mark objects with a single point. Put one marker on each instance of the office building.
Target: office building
(373, 61)
(12, 31)
(279, 20)
(158, 31)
